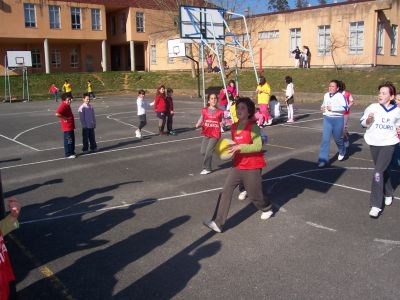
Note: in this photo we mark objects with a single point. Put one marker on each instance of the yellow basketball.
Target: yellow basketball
(222, 149)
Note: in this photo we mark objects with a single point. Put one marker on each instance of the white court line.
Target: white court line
(100, 152)
(320, 226)
(10, 139)
(388, 242)
(33, 128)
(187, 195)
(128, 124)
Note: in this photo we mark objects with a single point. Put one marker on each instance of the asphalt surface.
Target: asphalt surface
(126, 222)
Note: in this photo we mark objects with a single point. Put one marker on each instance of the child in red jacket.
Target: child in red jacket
(160, 107)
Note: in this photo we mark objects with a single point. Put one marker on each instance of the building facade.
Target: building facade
(348, 34)
(129, 35)
(83, 35)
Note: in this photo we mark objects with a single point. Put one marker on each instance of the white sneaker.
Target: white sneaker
(388, 200)
(72, 156)
(374, 212)
(212, 225)
(341, 157)
(269, 122)
(138, 134)
(321, 164)
(266, 215)
(242, 195)
(222, 129)
(205, 172)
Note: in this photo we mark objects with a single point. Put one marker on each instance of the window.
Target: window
(295, 38)
(324, 39)
(123, 23)
(56, 58)
(356, 39)
(74, 59)
(96, 20)
(76, 18)
(29, 12)
(140, 22)
(393, 40)
(36, 59)
(273, 34)
(54, 16)
(379, 39)
(112, 27)
(153, 54)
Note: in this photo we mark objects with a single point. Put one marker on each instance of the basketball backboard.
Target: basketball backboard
(176, 48)
(19, 59)
(201, 22)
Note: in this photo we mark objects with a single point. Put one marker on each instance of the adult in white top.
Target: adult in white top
(333, 108)
(289, 98)
(382, 121)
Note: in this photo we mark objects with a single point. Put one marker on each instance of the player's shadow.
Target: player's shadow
(184, 129)
(32, 187)
(95, 275)
(10, 160)
(287, 181)
(355, 146)
(74, 224)
(171, 277)
(127, 143)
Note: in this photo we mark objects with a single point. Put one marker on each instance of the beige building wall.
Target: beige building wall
(276, 50)
(65, 40)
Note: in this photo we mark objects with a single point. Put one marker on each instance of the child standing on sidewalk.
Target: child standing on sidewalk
(141, 112)
(169, 111)
(88, 122)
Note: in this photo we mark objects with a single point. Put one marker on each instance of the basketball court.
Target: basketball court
(126, 222)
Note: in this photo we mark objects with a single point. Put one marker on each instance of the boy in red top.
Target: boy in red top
(160, 107)
(169, 111)
(248, 162)
(7, 278)
(66, 116)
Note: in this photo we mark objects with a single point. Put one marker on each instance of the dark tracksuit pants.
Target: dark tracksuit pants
(381, 184)
(251, 180)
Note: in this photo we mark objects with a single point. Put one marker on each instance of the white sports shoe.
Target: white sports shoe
(212, 225)
(205, 172)
(374, 212)
(266, 215)
(388, 200)
(269, 122)
(340, 157)
(242, 195)
(72, 156)
(138, 134)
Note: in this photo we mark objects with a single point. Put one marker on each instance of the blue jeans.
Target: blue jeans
(331, 126)
(69, 143)
(88, 137)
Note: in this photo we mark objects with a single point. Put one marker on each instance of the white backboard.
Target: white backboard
(176, 48)
(19, 59)
(198, 22)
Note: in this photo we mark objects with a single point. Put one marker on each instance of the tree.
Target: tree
(301, 3)
(322, 2)
(278, 5)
